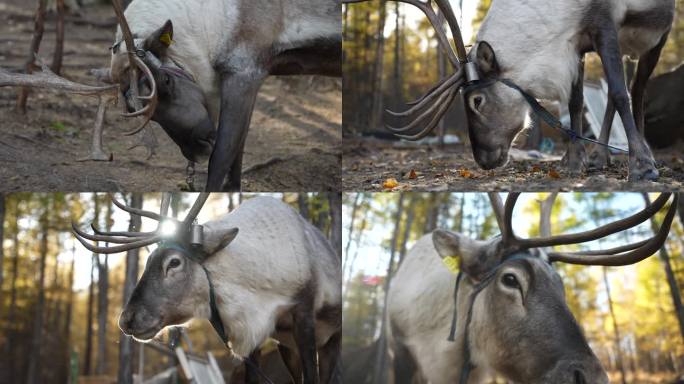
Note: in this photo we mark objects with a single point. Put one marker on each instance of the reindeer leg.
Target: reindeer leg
(647, 63)
(305, 338)
(291, 361)
(329, 363)
(238, 95)
(641, 161)
(575, 158)
(251, 374)
(599, 157)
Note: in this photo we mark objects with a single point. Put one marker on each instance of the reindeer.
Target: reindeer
(535, 50)
(510, 316)
(209, 72)
(260, 271)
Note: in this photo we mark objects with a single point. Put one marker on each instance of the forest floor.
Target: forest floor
(292, 144)
(368, 164)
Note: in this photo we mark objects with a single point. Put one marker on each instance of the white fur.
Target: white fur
(257, 276)
(534, 40)
(205, 30)
(422, 278)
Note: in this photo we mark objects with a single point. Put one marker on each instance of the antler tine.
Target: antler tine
(427, 9)
(120, 234)
(435, 120)
(106, 238)
(507, 233)
(135, 211)
(120, 248)
(196, 207)
(453, 81)
(152, 98)
(49, 80)
(594, 234)
(625, 255)
(497, 206)
(165, 202)
(458, 75)
(448, 13)
(427, 113)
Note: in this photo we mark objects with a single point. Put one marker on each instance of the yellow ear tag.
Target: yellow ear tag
(451, 262)
(166, 39)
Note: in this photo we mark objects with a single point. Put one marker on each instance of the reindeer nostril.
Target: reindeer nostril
(579, 377)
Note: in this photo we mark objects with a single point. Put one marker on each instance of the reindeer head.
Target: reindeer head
(511, 299)
(175, 100)
(496, 113)
(174, 286)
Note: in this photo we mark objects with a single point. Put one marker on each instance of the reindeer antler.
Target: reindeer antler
(435, 103)
(132, 240)
(136, 62)
(49, 80)
(622, 255)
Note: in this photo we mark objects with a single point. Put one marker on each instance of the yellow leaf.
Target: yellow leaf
(390, 183)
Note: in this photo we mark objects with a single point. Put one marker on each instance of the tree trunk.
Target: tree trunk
(34, 365)
(432, 213)
(87, 364)
(11, 313)
(441, 70)
(303, 205)
(335, 208)
(545, 209)
(350, 231)
(103, 303)
(69, 306)
(2, 249)
(618, 350)
(38, 29)
(407, 230)
(398, 88)
(376, 116)
(669, 273)
(379, 374)
(59, 42)
(126, 342)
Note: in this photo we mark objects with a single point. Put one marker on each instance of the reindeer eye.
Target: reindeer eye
(510, 280)
(174, 263)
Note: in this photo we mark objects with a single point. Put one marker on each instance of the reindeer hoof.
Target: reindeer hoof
(599, 158)
(575, 159)
(643, 170)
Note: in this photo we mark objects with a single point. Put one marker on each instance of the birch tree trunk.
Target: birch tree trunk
(126, 358)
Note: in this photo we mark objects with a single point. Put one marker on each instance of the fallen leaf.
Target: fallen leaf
(536, 169)
(412, 175)
(554, 174)
(390, 183)
(466, 174)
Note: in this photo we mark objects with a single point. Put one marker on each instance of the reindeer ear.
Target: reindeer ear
(223, 238)
(486, 59)
(160, 40)
(448, 246)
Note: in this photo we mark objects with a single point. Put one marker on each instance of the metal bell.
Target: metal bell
(197, 235)
(471, 72)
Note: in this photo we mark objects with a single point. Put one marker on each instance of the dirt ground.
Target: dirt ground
(369, 163)
(292, 144)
